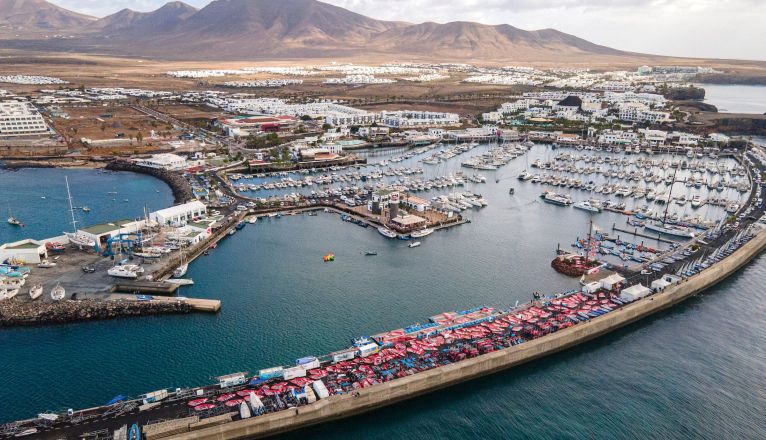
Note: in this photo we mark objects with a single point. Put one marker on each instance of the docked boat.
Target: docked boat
(58, 293)
(35, 291)
(422, 233)
(555, 199)
(414, 244)
(664, 228)
(696, 202)
(252, 220)
(122, 272)
(45, 264)
(180, 271)
(386, 232)
(134, 433)
(586, 206)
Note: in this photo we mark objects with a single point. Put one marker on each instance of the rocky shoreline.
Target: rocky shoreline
(16, 314)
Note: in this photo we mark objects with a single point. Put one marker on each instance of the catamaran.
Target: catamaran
(122, 272)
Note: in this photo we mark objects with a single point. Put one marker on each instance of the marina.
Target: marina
(496, 193)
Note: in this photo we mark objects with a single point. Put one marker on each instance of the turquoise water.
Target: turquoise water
(22, 193)
(736, 98)
(694, 372)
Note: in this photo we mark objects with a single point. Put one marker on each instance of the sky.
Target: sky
(694, 28)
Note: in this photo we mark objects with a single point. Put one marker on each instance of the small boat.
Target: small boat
(371, 253)
(414, 244)
(386, 232)
(13, 220)
(58, 293)
(240, 225)
(244, 411)
(329, 257)
(252, 220)
(134, 433)
(35, 291)
(54, 247)
(511, 191)
(85, 209)
(45, 264)
(88, 268)
(26, 432)
(422, 233)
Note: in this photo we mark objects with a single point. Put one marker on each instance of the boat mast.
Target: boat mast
(588, 246)
(71, 208)
(670, 198)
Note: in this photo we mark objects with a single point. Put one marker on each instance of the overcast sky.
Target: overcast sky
(695, 28)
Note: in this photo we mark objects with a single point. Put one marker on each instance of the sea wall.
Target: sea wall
(16, 313)
(341, 406)
(182, 191)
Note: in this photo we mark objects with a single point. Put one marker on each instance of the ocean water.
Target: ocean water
(38, 197)
(733, 98)
(696, 371)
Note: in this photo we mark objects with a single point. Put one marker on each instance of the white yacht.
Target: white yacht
(122, 272)
(180, 271)
(586, 206)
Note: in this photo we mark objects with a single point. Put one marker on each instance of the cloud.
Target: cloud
(696, 28)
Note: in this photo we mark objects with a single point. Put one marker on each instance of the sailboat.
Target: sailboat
(13, 220)
(35, 291)
(664, 227)
(58, 293)
(75, 238)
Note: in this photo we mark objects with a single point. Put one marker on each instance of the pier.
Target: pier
(641, 234)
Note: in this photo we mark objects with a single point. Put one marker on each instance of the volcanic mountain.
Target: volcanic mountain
(272, 29)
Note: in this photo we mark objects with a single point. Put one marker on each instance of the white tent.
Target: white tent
(635, 292)
(660, 284)
(612, 281)
(591, 287)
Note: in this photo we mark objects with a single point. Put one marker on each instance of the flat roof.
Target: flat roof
(28, 245)
(408, 220)
(103, 228)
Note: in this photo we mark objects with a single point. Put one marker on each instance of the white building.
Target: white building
(164, 161)
(417, 118)
(637, 112)
(21, 119)
(179, 214)
(26, 251)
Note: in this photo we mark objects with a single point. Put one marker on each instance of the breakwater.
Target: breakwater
(366, 399)
(182, 191)
(14, 313)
